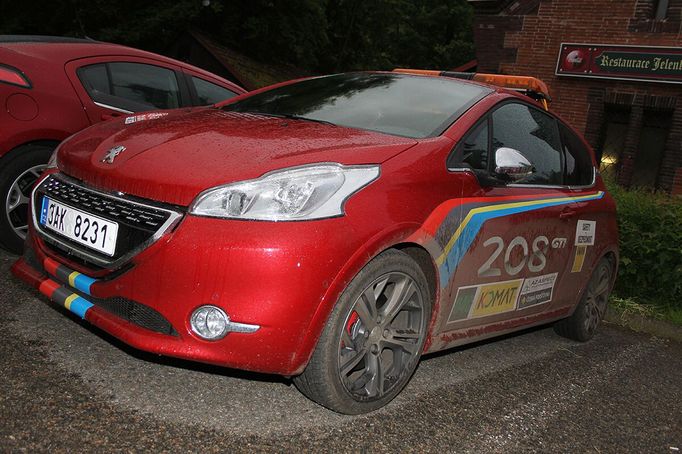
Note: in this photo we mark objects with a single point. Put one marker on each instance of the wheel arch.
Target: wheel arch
(395, 238)
(16, 150)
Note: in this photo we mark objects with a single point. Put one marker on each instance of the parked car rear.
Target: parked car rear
(52, 87)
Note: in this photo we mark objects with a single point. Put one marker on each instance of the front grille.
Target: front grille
(144, 218)
(139, 224)
(136, 313)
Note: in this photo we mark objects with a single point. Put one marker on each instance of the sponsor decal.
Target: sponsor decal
(579, 259)
(145, 117)
(486, 299)
(463, 302)
(537, 290)
(585, 232)
(496, 298)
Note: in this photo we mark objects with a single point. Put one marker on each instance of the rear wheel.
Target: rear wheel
(373, 339)
(590, 311)
(17, 177)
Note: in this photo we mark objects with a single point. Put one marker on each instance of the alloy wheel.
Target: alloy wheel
(382, 335)
(597, 297)
(17, 200)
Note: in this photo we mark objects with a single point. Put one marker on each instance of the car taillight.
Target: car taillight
(13, 76)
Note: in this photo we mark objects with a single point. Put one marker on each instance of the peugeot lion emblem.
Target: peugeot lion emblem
(112, 153)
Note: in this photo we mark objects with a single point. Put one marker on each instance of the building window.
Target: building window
(661, 11)
(656, 125)
(614, 131)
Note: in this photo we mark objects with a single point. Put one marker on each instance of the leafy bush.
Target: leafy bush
(650, 226)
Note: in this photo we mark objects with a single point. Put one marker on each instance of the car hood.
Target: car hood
(172, 157)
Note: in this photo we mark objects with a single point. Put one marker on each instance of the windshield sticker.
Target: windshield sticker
(537, 290)
(144, 117)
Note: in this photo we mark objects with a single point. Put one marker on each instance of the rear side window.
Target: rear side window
(534, 134)
(95, 79)
(145, 84)
(210, 93)
(131, 86)
(578, 168)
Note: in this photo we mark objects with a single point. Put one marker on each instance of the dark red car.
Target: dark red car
(332, 229)
(52, 87)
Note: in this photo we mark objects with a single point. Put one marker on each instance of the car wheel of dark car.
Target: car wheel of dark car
(373, 340)
(17, 177)
(589, 313)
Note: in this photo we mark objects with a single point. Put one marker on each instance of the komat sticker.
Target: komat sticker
(484, 300)
(496, 298)
(537, 290)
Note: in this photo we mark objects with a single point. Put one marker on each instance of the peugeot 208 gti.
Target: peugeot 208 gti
(332, 229)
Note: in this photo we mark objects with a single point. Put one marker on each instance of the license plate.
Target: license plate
(79, 226)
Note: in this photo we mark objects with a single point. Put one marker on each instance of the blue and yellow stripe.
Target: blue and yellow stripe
(469, 227)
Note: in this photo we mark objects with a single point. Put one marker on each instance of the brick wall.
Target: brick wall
(530, 46)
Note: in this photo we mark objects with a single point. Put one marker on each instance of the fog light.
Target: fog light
(210, 322)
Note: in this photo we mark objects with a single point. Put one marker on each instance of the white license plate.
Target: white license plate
(84, 228)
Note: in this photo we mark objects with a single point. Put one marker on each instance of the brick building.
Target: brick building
(603, 62)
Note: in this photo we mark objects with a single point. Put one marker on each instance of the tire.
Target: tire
(590, 311)
(17, 176)
(372, 342)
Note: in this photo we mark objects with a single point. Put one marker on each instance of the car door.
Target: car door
(508, 253)
(114, 86)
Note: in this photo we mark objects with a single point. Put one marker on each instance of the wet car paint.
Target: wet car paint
(287, 276)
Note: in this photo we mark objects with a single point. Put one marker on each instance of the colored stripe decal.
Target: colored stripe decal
(465, 234)
(83, 283)
(75, 279)
(61, 295)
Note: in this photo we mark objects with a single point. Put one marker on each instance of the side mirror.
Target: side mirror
(512, 164)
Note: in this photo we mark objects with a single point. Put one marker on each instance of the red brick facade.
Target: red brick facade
(523, 37)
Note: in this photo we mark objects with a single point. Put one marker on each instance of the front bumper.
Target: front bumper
(279, 276)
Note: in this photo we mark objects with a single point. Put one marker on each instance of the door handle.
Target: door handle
(567, 213)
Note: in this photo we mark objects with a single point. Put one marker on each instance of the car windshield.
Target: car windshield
(398, 104)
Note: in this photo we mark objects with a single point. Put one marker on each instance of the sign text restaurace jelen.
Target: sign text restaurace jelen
(626, 62)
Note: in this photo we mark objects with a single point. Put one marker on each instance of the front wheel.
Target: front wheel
(17, 177)
(373, 339)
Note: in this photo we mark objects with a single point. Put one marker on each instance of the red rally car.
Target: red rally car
(331, 229)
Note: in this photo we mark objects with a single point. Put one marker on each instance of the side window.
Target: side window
(578, 167)
(534, 134)
(473, 149)
(95, 79)
(131, 86)
(210, 93)
(149, 85)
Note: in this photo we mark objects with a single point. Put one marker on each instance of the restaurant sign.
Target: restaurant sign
(654, 64)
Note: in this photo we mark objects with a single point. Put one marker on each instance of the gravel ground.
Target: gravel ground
(67, 387)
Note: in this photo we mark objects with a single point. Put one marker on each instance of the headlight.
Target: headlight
(309, 192)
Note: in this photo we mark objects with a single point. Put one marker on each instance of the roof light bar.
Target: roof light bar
(533, 87)
(11, 75)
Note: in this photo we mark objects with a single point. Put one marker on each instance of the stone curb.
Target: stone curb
(635, 322)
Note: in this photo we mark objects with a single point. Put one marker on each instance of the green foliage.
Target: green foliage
(316, 35)
(650, 226)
